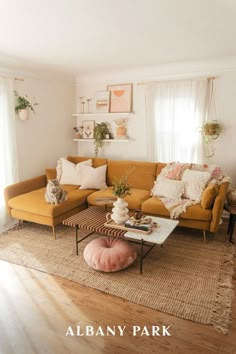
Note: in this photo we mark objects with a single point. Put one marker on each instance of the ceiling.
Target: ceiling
(80, 36)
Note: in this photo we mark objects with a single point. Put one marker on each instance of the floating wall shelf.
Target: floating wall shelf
(101, 114)
(106, 140)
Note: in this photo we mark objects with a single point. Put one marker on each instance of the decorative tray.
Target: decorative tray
(112, 224)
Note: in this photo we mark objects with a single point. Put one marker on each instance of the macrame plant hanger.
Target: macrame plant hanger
(212, 128)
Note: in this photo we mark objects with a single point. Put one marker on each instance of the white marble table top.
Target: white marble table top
(159, 235)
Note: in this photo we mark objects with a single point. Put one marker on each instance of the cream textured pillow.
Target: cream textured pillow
(195, 183)
(69, 173)
(93, 178)
(168, 188)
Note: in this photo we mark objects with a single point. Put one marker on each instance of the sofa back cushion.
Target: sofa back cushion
(51, 173)
(139, 174)
(96, 162)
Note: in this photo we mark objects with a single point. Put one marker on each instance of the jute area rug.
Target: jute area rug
(186, 278)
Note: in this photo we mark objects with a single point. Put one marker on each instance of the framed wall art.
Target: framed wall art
(121, 97)
(102, 101)
(88, 129)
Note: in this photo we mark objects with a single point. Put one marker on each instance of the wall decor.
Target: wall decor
(88, 129)
(120, 98)
(102, 101)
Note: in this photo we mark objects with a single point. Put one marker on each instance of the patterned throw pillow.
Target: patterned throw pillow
(195, 183)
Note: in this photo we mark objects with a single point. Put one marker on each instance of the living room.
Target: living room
(61, 55)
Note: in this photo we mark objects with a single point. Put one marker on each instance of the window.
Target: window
(175, 112)
(8, 160)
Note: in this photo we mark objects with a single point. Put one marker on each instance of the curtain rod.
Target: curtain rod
(16, 78)
(154, 82)
(19, 79)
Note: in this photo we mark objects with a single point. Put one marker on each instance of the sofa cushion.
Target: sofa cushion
(154, 206)
(51, 173)
(134, 200)
(34, 202)
(139, 174)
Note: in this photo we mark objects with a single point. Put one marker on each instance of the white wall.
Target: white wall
(224, 70)
(46, 136)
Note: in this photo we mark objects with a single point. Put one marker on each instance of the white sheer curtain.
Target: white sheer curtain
(8, 154)
(176, 110)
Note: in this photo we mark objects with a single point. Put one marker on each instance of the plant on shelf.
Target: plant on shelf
(23, 104)
(121, 130)
(101, 132)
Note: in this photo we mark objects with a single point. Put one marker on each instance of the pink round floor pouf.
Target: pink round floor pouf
(109, 254)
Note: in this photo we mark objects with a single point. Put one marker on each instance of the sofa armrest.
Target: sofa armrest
(218, 206)
(26, 186)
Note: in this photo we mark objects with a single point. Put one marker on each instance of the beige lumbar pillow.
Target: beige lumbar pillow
(93, 178)
(70, 173)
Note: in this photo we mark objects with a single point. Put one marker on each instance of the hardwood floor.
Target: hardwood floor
(36, 310)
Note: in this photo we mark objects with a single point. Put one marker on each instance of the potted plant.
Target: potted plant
(23, 105)
(120, 212)
(101, 132)
(212, 129)
(121, 131)
(120, 187)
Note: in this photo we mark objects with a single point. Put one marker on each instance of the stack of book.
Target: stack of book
(145, 224)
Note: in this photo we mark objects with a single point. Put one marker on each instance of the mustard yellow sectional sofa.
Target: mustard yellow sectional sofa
(25, 200)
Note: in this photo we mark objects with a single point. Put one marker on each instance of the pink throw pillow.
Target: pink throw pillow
(174, 172)
(109, 254)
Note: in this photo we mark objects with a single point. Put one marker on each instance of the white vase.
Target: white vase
(120, 211)
(23, 114)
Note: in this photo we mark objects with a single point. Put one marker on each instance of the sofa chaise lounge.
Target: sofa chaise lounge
(25, 200)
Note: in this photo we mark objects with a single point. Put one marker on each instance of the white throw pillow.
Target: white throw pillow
(195, 183)
(168, 188)
(93, 178)
(69, 173)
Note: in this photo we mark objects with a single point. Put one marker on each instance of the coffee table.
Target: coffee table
(94, 218)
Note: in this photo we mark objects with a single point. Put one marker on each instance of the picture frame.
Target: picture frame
(88, 129)
(121, 98)
(102, 101)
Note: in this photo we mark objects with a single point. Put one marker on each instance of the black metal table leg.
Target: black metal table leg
(230, 222)
(76, 238)
(231, 226)
(141, 257)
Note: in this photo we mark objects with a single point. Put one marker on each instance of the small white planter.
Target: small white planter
(23, 114)
(120, 211)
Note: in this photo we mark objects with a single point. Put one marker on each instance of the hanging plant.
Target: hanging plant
(22, 102)
(212, 129)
